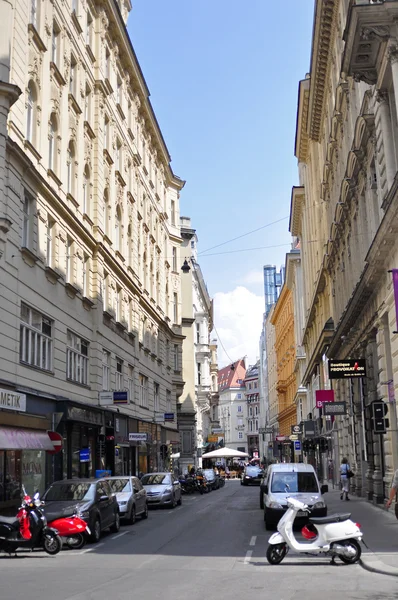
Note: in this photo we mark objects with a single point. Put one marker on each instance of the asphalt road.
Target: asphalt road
(212, 547)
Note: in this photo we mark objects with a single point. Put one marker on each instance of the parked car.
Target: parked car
(291, 479)
(162, 489)
(93, 497)
(251, 475)
(212, 479)
(131, 497)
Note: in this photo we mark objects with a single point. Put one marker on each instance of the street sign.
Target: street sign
(57, 440)
(297, 447)
(169, 416)
(159, 417)
(84, 455)
(138, 437)
(121, 397)
(343, 369)
(335, 408)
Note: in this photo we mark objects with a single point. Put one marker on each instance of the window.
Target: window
(250, 412)
(156, 400)
(175, 357)
(199, 367)
(251, 425)
(27, 223)
(89, 30)
(87, 104)
(198, 333)
(240, 435)
(33, 13)
(173, 212)
(86, 190)
(143, 391)
(240, 409)
(118, 156)
(31, 113)
(118, 304)
(256, 409)
(55, 45)
(256, 424)
(50, 242)
(107, 214)
(130, 383)
(119, 91)
(174, 259)
(73, 76)
(106, 133)
(36, 339)
(168, 401)
(106, 359)
(70, 166)
(75, 6)
(119, 374)
(118, 229)
(239, 397)
(167, 353)
(52, 143)
(107, 64)
(76, 359)
(69, 260)
(175, 307)
(86, 276)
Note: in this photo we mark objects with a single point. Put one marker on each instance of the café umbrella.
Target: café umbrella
(225, 453)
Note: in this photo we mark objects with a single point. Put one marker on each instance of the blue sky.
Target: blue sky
(223, 77)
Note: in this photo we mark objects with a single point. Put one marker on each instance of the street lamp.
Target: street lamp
(185, 267)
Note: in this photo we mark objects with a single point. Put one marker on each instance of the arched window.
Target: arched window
(118, 229)
(31, 113)
(70, 166)
(52, 143)
(107, 214)
(86, 190)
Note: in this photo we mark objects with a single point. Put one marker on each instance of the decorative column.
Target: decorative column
(386, 136)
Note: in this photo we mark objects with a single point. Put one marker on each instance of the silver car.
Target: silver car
(162, 489)
(131, 497)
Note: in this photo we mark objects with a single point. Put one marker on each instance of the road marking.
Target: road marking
(248, 557)
(253, 540)
(90, 549)
(114, 537)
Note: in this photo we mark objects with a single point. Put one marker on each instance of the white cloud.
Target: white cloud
(238, 317)
(253, 277)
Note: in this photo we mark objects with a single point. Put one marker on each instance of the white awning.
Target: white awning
(12, 438)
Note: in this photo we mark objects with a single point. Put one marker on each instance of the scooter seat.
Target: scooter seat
(331, 519)
(13, 521)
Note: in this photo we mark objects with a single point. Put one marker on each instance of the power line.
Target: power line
(245, 250)
(243, 235)
(222, 345)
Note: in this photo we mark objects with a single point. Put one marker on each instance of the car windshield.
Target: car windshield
(64, 492)
(120, 485)
(296, 482)
(209, 473)
(156, 479)
(253, 470)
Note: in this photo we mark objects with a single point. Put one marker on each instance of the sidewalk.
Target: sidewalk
(380, 532)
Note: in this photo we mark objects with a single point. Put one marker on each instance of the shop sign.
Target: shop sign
(75, 413)
(217, 430)
(12, 400)
(169, 416)
(121, 397)
(106, 398)
(103, 473)
(309, 429)
(85, 455)
(343, 369)
(297, 447)
(323, 396)
(212, 439)
(296, 429)
(138, 437)
(337, 408)
(280, 438)
(159, 417)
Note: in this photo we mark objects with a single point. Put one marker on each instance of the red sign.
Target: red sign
(322, 396)
(57, 441)
(280, 438)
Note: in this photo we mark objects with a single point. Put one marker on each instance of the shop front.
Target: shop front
(122, 446)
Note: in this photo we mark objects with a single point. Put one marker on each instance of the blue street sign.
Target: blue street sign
(85, 455)
(297, 446)
(120, 397)
(169, 416)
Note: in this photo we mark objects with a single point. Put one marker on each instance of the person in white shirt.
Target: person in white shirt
(345, 482)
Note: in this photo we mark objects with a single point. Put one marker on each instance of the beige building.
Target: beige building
(90, 297)
(346, 216)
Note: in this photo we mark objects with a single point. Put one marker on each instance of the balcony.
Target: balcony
(370, 24)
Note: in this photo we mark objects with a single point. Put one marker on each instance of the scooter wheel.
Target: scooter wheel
(52, 544)
(276, 553)
(76, 542)
(353, 544)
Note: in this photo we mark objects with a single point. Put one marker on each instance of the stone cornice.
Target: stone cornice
(301, 141)
(324, 29)
(296, 209)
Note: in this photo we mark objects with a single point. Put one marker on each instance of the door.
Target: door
(139, 495)
(105, 506)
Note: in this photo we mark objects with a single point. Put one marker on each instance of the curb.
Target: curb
(375, 565)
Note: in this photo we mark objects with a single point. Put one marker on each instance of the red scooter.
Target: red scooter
(73, 530)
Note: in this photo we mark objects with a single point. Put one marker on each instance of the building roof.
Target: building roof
(232, 377)
(252, 371)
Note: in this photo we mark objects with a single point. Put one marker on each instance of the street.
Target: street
(212, 546)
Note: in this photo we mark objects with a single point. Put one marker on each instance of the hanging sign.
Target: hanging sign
(344, 369)
(335, 408)
(322, 396)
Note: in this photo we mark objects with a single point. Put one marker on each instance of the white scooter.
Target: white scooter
(332, 536)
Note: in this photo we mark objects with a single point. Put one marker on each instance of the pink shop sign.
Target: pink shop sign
(23, 439)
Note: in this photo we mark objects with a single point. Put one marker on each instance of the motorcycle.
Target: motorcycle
(29, 529)
(188, 485)
(333, 536)
(202, 484)
(73, 530)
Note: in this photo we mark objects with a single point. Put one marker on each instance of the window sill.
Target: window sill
(90, 53)
(107, 239)
(120, 256)
(57, 74)
(87, 219)
(87, 302)
(54, 177)
(130, 197)
(108, 86)
(29, 146)
(72, 200)
(76, 23)
(72, 290)
(89, 131)
(83, 385)
(145, 169)
(36, 38)
(47, 371)
(121, 325)
(74, 104)
(151, 184)
(120, 111)
(120, 178)
(108, 157)
(28, 256)
(52, 275)
(131, 134)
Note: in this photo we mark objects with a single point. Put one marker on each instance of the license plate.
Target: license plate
(301, 513)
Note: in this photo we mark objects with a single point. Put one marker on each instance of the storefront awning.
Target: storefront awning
(12, 438)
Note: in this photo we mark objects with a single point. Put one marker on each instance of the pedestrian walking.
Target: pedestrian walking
(393, 492)
(344, 479)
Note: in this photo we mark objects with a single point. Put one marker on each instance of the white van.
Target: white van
(291, 479)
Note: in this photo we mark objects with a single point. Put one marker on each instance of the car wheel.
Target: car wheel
(173, 502)
(145, 513)
(96, 531)
(179, 502)
(132, 518)
(261, 501)
(116, 526)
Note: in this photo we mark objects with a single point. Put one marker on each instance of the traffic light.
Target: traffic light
(379, 421)
(323, 445)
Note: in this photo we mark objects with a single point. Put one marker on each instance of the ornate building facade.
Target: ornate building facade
(89, 240)
(346, 216)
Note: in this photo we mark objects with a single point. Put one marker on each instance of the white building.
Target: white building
(233, 406)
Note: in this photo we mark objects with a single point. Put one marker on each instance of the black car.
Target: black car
(251, 475)
(93, 497)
